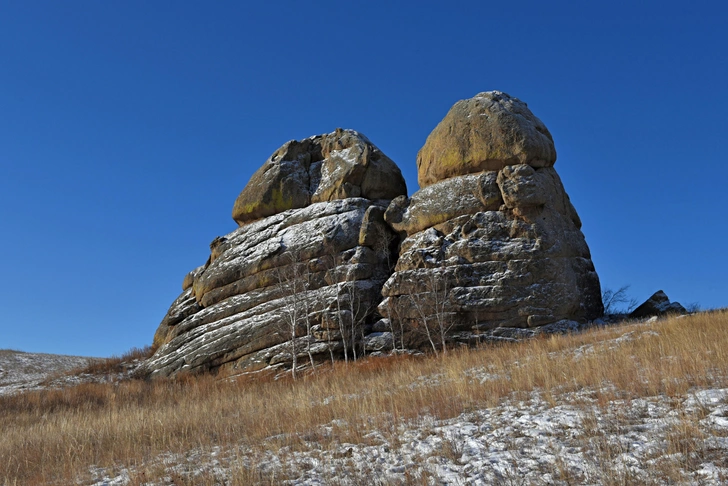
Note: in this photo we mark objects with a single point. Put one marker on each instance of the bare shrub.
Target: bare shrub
(432, 305)
(293, 283)
(114, 364)
(618, 301)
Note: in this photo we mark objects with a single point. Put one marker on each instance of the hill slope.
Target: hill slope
(639, 403)
(21, 371)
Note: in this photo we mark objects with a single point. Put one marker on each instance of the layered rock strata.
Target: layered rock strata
(491, 239)
(301, 277)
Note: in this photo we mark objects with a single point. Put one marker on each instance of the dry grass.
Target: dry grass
(54, 436)
(115, 364)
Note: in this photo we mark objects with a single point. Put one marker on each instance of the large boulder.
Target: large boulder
(301, 278)
(337, 165)
(658, 305)
(484, 133)
(489, 241)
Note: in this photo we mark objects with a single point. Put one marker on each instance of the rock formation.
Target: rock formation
(658, 305)
(491, 239)
(301, 277)
(489, 246)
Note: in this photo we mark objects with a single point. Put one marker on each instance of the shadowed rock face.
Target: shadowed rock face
(319, 260)
(658, 305)
(492, 239)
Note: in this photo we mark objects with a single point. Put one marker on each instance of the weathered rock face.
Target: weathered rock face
(490, 245)
(487, 132)
(492, 239)
(338, 165)
(302, 275)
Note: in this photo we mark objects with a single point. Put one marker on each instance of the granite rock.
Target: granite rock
(300, 279)
(491, 240)
(337, 165)
(484, 133)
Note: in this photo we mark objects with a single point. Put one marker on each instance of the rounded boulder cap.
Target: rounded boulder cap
(484, 133)
(337, 165)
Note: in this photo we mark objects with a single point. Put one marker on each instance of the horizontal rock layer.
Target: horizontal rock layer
(507, 251)
(321, 267)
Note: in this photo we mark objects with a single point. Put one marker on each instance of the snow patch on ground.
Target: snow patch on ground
(524, 440)
(571, 438)
(21, 371)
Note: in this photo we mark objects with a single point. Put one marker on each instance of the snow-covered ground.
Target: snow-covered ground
(526, 440)
(652, 440)
(31, 371)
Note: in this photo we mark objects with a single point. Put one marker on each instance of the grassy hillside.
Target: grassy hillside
(21, 371)
(611, 381)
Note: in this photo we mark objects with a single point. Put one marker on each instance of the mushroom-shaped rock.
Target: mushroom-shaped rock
(486, 132)
(337, 165)
(491, 239)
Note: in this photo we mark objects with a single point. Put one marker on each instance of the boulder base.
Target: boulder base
(524, 265)
(296, 282)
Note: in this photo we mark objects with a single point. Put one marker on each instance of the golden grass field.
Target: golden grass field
(54, 436)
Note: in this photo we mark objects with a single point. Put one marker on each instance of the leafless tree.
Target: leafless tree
(294, 282)
(432, 307)
(343, 315)
(358, 312)
(393, 312)
(614, 299)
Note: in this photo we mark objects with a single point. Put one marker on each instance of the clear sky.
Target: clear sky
(127, 130)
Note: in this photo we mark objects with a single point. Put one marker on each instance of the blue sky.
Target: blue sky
(127, 130)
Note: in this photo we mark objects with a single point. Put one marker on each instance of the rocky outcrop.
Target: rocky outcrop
(301, 278)
(322, 168)
(658, 305)
(489, 249)
(492, 239)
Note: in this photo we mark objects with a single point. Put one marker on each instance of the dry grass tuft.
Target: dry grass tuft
(55, 435)
(115, 364)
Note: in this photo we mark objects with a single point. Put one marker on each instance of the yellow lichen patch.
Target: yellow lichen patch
(275, 203)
